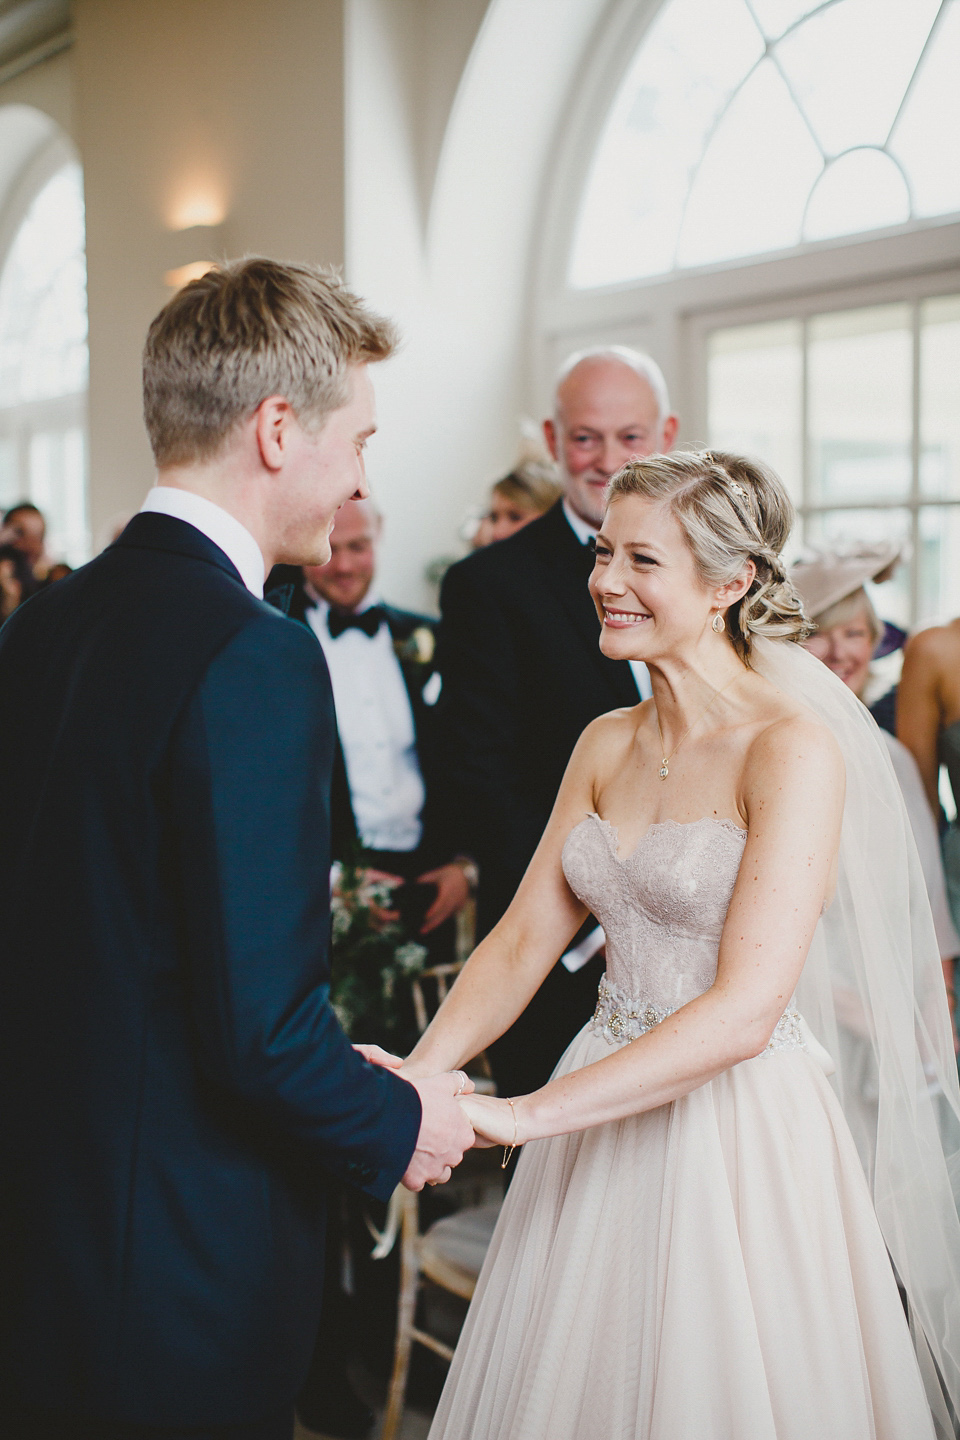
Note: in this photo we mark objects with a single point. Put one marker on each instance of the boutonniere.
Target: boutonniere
(418, 647)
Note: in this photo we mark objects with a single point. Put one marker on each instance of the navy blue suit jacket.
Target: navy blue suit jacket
(174, 1086)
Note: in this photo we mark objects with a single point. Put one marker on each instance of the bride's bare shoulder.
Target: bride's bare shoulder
(792, 746)
(607, 741)
(616, 728)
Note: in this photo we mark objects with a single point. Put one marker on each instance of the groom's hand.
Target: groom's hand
(445, 1131)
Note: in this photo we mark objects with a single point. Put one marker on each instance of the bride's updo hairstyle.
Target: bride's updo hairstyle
(730, 510)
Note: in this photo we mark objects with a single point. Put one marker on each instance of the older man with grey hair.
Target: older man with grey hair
(523, 674)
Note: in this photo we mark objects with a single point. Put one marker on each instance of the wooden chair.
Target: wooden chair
(450, 1253)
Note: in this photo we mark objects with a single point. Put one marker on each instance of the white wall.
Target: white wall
(454, 271)
(233, 105)
(409, 139)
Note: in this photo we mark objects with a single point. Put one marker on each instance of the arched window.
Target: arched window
(771, 206)
(43, 364)
(744, 127)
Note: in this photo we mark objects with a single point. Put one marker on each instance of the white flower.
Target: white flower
(379, 894)
(410, 957)
(423, 643)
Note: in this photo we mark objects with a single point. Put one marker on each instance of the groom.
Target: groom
(174, 1087)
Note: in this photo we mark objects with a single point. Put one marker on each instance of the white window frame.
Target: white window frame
(907, 289)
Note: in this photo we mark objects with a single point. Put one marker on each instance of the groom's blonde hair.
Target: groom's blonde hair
(250, 329)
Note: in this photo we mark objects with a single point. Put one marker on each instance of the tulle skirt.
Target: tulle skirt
(710, 1270)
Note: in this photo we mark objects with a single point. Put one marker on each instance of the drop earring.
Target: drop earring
(718, 625)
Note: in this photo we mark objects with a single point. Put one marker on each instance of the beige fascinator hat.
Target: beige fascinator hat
(827, 576)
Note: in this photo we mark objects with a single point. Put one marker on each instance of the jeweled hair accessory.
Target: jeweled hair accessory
(738, 489)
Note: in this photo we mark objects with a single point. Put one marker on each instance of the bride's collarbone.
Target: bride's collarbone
(706, 783)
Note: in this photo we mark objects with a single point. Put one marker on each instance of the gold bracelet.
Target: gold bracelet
(507, 1153)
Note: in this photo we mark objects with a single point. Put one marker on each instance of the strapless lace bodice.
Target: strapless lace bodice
(662, 906)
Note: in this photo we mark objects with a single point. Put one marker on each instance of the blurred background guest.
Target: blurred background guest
(386, 820)
(848, 634)
(850, 637)
(385, 686)
(523, 675)
(17, 582)
(25, 528)
(928, 723)
(528, 491)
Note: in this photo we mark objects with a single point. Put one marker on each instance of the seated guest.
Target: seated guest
(526, 493)
(847, 636)
(25, 528)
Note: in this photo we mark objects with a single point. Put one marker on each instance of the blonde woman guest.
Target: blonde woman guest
(523, 495)
(689, 1246)
(846, 638)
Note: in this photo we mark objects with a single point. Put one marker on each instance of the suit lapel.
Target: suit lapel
(402, 626)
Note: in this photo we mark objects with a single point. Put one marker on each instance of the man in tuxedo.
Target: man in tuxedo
(523, 675)
(174, 1087)
(385, 688)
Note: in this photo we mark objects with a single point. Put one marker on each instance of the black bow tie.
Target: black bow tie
(369, 621)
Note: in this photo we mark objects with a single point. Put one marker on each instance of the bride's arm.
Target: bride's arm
(792, 794)
(509, 965)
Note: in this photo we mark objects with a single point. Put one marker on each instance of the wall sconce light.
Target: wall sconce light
(182, 246)
(182, 274)
(201, 205)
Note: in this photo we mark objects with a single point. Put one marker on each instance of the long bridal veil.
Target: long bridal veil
(872, 994)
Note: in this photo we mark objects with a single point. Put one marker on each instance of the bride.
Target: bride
(693, 1244)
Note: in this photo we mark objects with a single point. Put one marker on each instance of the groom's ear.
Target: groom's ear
(274, 418)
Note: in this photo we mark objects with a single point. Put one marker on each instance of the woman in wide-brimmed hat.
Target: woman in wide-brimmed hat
(848, 637)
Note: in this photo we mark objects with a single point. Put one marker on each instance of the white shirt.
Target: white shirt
(376, 728)
(585, 533)
(218, 525)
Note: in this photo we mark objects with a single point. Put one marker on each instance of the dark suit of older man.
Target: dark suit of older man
(522, 677)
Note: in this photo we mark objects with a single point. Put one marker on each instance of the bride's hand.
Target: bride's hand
(376, 1055)
(492, 1119)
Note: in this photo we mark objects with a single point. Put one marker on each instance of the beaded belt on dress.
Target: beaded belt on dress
(619, 1017)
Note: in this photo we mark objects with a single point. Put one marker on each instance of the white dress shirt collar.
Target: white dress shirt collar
(581, 528)
(217, 524)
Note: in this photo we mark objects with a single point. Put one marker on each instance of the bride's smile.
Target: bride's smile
(623, 618)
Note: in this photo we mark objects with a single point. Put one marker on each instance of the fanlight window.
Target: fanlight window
(748, 126)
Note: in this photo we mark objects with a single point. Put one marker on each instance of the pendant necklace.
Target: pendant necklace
(664, 770)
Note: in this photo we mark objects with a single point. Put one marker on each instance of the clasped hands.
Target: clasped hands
(454, 1119)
